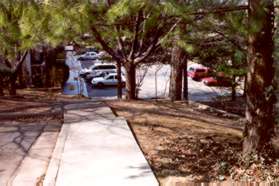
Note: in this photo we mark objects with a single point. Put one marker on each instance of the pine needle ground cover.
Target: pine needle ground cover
(186, 141)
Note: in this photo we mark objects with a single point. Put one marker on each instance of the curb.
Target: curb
(53, 167)
(203, 107)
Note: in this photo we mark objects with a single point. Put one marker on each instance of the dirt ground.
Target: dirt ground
(181, 140)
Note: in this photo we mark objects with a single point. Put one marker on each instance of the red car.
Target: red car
(217, 81)
(197, 72)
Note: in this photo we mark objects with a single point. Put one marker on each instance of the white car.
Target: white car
(90, 76)
(88, 56)
(98, 68)
(108, 80)
(102, 67)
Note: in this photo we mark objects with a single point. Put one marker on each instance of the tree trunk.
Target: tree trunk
(233, 82)
(176, 73)
(26, 68)
(178, 62)
(233, 96)
(176, 83)
(24, 71)
(131, 81)
(185, 81)
(15, 67)
(12, 84)
(1, 87)
(260, 95)
(20, 75)
(277, 93)
(49, 57)
(245, 86)
(119, 85)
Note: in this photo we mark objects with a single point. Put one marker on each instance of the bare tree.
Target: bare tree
(143, 70)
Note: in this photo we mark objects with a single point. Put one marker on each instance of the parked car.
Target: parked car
(92, 49)
(102, 67)
(88, 76)
(97, 67)
(196, 72)
(91, 75)
(220, 81)
(108, 80)
(98, 70)
(91, 55)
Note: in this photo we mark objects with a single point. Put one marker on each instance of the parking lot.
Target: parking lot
(160, 75)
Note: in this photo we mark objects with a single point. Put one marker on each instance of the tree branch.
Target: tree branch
(136, 33)
(8, 63)
(143, 31)
(156, 43)
(19, 62)
(120, 42)
(170, 31)
(149, 50)
(220, 10)
(105, 46)
(230, 40)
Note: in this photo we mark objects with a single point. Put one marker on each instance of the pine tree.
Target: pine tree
(276, 54)
(137, 28)
(260, 113)
(214, 34)
(260, 87)
(130, 31)
(17, 35)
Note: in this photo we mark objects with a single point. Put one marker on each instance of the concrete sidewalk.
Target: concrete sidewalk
(26, 146)
(95, 148)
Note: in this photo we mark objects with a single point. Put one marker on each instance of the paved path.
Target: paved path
(25, 150)
(95, 148)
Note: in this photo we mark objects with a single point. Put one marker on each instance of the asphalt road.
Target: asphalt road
(160, 74)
